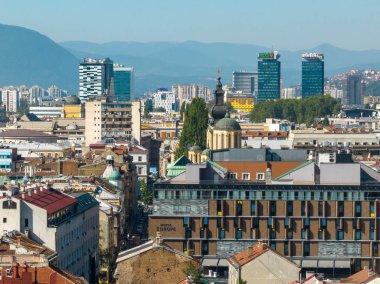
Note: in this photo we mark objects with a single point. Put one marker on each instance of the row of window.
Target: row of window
(266, 195)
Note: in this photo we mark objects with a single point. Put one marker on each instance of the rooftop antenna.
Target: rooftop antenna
(218, 72)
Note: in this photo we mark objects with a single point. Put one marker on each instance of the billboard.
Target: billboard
(269, 55)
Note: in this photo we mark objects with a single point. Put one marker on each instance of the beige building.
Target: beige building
(152, 262)
(261, 264)
(111, 121)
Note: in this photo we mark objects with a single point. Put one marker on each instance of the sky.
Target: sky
(281, 24)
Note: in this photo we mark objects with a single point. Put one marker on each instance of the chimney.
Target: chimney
(268, 176)
(30, 192)
(158, 240)
(250, 251)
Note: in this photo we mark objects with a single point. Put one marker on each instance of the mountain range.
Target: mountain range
(27, 57)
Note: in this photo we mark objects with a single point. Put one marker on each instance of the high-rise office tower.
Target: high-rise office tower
(95, 78)
(123, 83)
(352, 90)
(245, 81)
(313, 73)
(269, 69)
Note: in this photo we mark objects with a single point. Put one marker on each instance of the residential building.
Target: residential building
(54, 91)
(140, 157)
(313, 74)
(123, 83)
(165, 99)
(8, 157)
(95, 78)
(152, 262)
(353, 90)
(68, 225)
(109, 121)
(261, 264)
(10, 99)
(245, 81)
(269, 76)
(186, 92)
(3, 114)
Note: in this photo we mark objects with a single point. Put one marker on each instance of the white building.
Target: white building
(69, 225)
(140, 157)
(10, 99)
(166, 100)
(54, 91)
(43, 112)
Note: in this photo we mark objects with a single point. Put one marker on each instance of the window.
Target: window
(306, 249)
(372, 209)
(26, 222)
(140, 158)
(375, 249)
(371, 235)
(4, 220)
(236, 222)
(272, 208)
(219, 207)
(358, 209)
(246, 176)
(253, 208)
(340, 235)
(358, 235)
(239, 234)
(187, 232)
(287, 222)
(306, 223)
(323, 223)
(290, 208)
(270, 222)
(289, 234)
(303, 234)
(320, 234)
(239, 208)
(222, 234)
(340, 209)
(205, 222)
(273, 245)
(272, 234)
(202, 233)
(286, 248)
(185, 221)
(260, 176)
(205, 248)
(256, 223)
(320, 208)
(219, 222)
(233, 176)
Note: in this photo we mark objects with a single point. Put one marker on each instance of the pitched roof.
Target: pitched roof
(295, 169)
(362, 277)
(49, 199)
(249, 254)
(18, 133)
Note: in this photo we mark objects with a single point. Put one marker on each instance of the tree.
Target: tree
(193, 273)
(299, 111)
(146, 193)
(159, 109)
(148, 107)
(325, 121)
(241, 281)
(194, 128)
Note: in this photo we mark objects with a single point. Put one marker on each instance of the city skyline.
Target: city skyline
(274, 23)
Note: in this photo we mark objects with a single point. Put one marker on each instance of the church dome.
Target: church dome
(228, 124)
(115, 175)
(196, 149)
(72, 100)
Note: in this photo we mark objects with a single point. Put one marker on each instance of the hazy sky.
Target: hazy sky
(284, 24)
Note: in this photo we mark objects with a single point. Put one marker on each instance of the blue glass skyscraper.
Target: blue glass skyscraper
(123, 83)
(269, 69)
(313, 72)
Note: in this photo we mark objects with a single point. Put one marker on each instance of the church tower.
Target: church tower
(223, 131)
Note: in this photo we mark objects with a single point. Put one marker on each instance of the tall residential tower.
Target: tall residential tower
(313, 72)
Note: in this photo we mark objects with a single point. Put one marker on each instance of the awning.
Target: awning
(325, 263)
(210, 262)
(342, 264)
(309, 263)
(223, 262)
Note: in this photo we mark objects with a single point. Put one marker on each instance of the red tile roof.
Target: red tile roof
(361, 277)
(49, 199)
(249, 254)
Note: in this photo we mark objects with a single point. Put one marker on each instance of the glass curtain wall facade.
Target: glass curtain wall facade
(123, 84)
(269, 80)
(312, 78)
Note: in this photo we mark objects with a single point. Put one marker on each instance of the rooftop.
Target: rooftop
(49, 199)
(20, 133)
